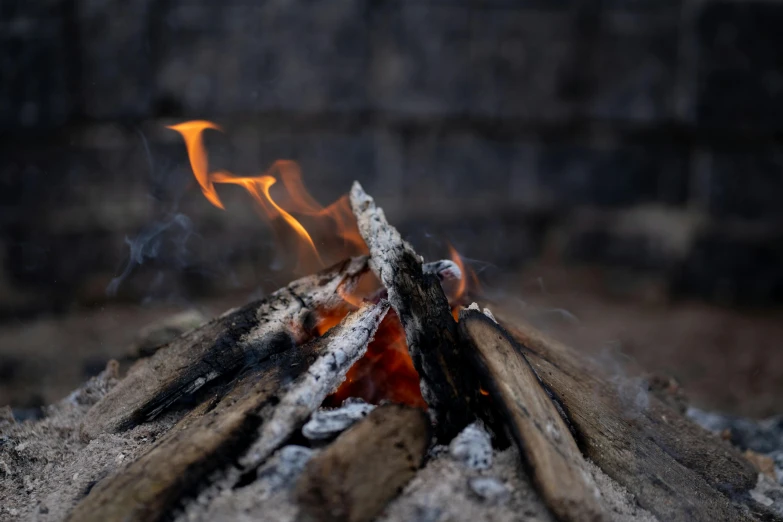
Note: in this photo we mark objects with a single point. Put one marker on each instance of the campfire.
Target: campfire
(372, 388)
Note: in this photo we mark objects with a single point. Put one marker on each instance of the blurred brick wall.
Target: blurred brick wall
(643, 135)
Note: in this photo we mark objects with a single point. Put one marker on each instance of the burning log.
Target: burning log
(664, 460)
(421, 305)
(222, 347)
(355, 477)
(259, 402)
(556, 464)
(257, 374)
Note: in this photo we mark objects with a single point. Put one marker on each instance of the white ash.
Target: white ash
(768, 493)
(445, 269)
(486, 311)
(763, 436)
(347, 344)
(45, 468)
(282, 469)
(326, 424)
(489, 489)
(777, 458)
(446, 491)
(441, 492)
(267, 498)
(472, 447)
(288, 308)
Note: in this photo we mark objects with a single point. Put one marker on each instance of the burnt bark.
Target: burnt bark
(266, 403)
(421, 305)
(237, 339)
(555, 463)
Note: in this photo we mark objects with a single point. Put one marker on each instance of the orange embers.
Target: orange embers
(385, 373)
(334, 226)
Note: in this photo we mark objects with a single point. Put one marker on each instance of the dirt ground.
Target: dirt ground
(728, 360)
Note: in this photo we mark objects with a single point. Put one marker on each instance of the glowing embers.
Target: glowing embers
(386, 371)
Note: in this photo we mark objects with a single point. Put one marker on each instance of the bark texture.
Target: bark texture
(674, 468)
(555, 463)
(220, 348)
(265, 403)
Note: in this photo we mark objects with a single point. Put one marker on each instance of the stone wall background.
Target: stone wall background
(640, 136)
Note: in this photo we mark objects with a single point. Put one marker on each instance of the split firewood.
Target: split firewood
(421, 305)
(663, 459)
(556, 465)
(223, 346)
(367, 466)
(267, 400)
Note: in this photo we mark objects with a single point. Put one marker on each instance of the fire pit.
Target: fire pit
(367, 390)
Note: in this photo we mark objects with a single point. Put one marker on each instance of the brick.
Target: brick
(456, 166)
(418, 58)
(239, 57)
(735, 265)
(740, 50)
(651, 238)
(331, 161)
(610, 175)
(115, 58)
(523, 61)
(631, 71)
(34, 66)
(745, 184)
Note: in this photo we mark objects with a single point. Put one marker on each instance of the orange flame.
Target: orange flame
(191, 132)
(334, 221)
(463, 281)
(468, 284)
(386, 372)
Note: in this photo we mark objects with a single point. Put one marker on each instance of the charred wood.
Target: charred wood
(367, 466)
(267, 400)
(237, 339)
(421, 305)
(344, 345)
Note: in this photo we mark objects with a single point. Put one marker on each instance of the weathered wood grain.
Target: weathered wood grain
(555, 463)
(206, 440)
(675, 469)
(354, 478)
(221, 347)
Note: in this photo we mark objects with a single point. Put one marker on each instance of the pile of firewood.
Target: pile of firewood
(236, 428)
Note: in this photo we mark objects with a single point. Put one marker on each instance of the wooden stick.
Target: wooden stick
(205, 440)
(221, 347)
(673, 468)
(556, 465)
(355, 477)
(430, 329)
